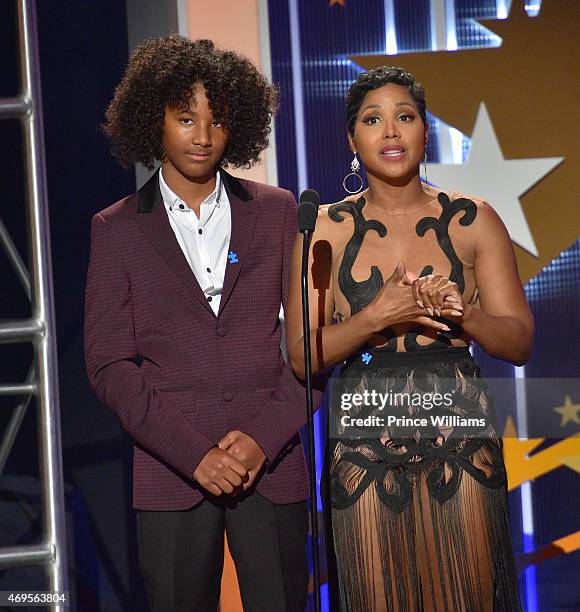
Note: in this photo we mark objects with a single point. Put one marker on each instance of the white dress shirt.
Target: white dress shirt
(204, 241)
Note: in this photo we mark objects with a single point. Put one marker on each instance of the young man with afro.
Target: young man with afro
(182, 332)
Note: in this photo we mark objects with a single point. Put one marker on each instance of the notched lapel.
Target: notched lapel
(244, 211)
(152, 218)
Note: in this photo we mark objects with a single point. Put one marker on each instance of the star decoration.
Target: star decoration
(569, 411)
(498, 180)
(522, 93)
(562, 546)
(523, 464)
(573, 462)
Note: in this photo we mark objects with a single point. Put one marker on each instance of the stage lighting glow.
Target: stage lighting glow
(390, 27)
(502, 9)
(526, 495)
(533, 8)
(298, 98)
(450, 24)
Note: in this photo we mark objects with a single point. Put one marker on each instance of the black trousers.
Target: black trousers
(181, 554)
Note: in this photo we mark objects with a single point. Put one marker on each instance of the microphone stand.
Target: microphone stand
(310, 422)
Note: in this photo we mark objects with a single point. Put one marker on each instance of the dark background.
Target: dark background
(83, 52)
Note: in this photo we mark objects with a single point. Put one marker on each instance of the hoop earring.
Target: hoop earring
(354, 168)
(425, 181)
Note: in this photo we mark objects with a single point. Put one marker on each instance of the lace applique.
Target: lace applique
(360, 294)
(360, 463)
(441, 228)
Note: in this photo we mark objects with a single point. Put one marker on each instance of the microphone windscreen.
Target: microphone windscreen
(310, 195)
(308, 210)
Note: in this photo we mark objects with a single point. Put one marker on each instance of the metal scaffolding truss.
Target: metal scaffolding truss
(42, 378)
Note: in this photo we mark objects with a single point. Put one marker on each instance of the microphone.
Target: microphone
(308, 210)
(307, 215)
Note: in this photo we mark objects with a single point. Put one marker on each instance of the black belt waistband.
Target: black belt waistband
(393, 358)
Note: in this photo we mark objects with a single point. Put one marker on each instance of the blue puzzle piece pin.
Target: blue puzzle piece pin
(366, 357)
(233, 257)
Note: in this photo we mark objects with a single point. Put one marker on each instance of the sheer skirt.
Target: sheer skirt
(419, 517)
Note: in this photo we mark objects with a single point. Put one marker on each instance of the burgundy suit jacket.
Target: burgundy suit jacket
(176, 375)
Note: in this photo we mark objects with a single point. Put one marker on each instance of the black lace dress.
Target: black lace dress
(419, 513)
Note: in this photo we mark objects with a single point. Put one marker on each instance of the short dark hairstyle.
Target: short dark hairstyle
(373, 79)
(161, 73)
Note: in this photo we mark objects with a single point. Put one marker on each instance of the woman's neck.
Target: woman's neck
(397, 198)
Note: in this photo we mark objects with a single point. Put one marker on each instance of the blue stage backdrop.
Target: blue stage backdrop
(310, 44)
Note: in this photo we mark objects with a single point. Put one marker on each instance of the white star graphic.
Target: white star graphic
(499, 181)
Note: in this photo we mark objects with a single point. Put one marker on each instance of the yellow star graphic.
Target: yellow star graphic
(569, 412)
(522, 464)
(525, 84)
(563, 546)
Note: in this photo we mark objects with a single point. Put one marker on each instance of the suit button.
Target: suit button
(227, 396)
(221, 331)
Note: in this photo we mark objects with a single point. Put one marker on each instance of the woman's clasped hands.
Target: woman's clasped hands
(407, 298)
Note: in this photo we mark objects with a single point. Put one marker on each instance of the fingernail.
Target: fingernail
(450, 298)
(456, 313)
(430, 310)
(420, 304)
(446, 328)
(438, 312)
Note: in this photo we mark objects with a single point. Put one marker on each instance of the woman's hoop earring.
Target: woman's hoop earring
(354, 168)
(425, 181)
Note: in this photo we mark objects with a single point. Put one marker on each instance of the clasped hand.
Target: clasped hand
(232, 467)
(439, 296)
(407, 298)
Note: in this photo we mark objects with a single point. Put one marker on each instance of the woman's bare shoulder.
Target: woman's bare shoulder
(487, 223)
(327, 220)
(477, 200)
